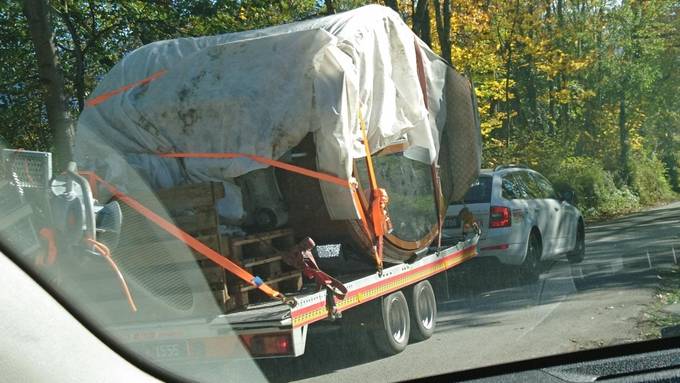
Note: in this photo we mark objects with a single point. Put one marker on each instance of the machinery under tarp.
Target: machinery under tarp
(261, 92)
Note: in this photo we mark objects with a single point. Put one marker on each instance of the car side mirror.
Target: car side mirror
(568, 196)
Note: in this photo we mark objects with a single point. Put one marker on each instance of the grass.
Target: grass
(654, 318)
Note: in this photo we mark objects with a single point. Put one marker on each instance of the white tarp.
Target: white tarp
(260, 92)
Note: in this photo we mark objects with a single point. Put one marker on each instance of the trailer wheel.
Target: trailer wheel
(392, 334)
(423, 311)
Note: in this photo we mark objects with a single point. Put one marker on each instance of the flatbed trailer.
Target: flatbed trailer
(275, 329)
(405, 307)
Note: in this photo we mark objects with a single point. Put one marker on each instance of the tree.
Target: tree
(394, 4)
(330, 8)
(442, 11)
(42, 34)
(421, 21)
(554, 79)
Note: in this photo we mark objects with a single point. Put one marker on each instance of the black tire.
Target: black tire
(422, 306)
(579, 252)
(530, 270)
(391, 335)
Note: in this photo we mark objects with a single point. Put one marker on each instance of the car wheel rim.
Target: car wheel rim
(426, 310)
(398, 320)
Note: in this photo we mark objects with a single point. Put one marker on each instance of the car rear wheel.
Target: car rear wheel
(530, 268)
(579, 252)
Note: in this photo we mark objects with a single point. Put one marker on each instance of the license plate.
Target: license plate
(165, 350)
(451, 222)
(170, 350)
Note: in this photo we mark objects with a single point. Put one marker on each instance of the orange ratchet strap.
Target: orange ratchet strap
(306, 172)
(105, 96)
(352, 186)
(438, 202)
(49, 235)
(378, 201)
(194, 243)
(267, 161)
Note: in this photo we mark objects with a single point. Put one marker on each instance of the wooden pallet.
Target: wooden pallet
(192, 209)
(260, 255)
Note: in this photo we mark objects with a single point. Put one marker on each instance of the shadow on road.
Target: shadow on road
(625, 253)
(327, 351)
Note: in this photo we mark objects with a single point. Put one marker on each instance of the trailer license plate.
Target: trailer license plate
(170, 350)
(165, 350)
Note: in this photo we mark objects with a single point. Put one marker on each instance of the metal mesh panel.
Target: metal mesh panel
(10, 199)
(151, 262)
(16, 228)
(32, 169)
(21, 236)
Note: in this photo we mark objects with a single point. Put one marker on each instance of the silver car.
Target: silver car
(523, 220)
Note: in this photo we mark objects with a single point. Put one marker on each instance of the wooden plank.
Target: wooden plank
(196, 223)
(261, 260)
(191, 196)
(260, 237)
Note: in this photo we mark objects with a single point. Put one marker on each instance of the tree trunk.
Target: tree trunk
(79, 60)
(442, 12)
(394, 4)
(421, 21)
(623, 141)
(330, 8)
(42, 34)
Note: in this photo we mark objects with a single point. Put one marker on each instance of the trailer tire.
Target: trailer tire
(423, 310)
(391, 334)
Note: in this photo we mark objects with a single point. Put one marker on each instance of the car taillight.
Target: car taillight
(499, 216)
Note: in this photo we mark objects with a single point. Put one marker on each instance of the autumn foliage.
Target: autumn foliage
(584, 91)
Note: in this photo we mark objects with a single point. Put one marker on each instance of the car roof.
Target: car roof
(500, 170)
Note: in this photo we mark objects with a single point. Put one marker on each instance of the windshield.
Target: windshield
(278, 191)
(480, 191)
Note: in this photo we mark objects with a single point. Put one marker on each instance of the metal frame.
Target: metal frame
(279, 318)
(12, 157)
(313, 308)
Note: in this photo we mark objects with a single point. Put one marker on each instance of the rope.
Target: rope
(104, 251)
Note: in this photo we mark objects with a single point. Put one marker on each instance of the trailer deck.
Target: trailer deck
(280, 323)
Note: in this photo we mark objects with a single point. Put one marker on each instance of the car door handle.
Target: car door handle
(557, 209)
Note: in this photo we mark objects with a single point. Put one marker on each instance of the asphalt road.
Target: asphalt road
(489, 317)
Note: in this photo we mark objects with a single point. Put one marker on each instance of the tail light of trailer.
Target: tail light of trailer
(499, 216)
(268, 344)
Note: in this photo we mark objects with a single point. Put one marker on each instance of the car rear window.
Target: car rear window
(480, 191)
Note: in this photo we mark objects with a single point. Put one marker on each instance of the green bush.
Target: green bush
(648, 179)
(596, 192)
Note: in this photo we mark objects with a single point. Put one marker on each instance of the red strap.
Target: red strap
(378, 199)
(49, 236)
(191, 241)
(380, 216)
(105, 96)
(301, 258)
(438, 202)
(267, 161)
(104, 251)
